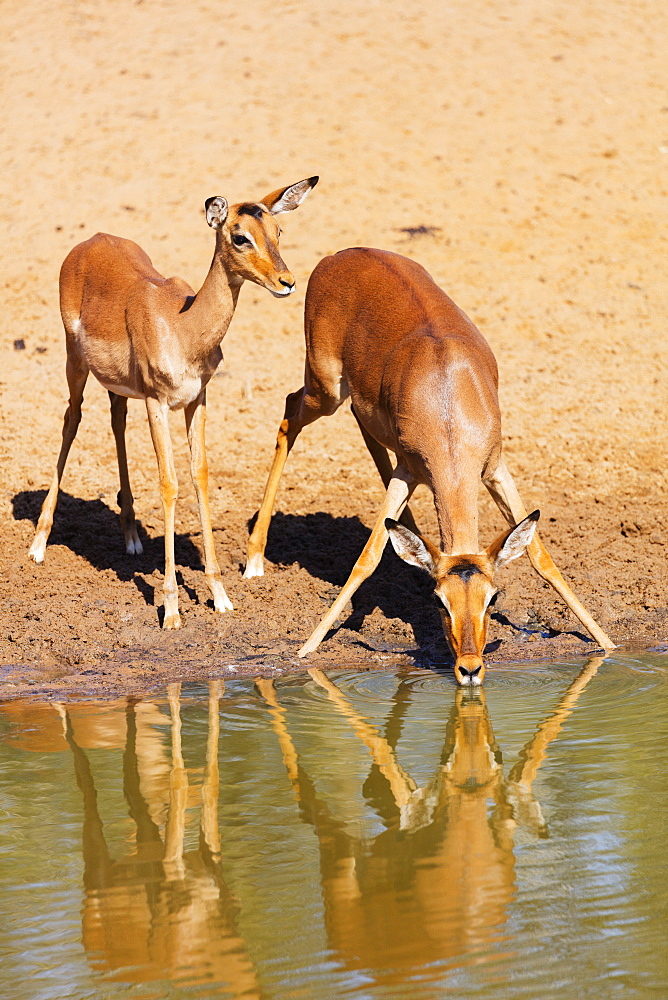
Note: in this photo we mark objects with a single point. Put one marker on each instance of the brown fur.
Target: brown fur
(153, 338)
(423, 383)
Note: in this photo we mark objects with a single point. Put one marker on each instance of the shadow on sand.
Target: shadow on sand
(90, 529)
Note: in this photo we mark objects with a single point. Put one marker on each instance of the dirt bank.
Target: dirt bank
(519, 153)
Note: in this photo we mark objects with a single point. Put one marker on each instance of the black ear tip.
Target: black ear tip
(534, 516)
(207, 203)
(313, 180)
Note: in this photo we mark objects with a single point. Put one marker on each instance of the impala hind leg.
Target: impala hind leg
(169, 489)
(199, 470)
(295, 418)
(504, 493)
(398, 493)
(76, 380)
(382, 462)
(119, 409)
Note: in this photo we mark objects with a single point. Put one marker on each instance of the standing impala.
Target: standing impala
(152, 338)
(424, 384)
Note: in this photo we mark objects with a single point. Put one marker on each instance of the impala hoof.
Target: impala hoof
(172, 621)
(133, 547)
(36, 553)
(254, 566)
(221, 602)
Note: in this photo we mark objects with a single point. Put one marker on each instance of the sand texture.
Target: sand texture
(519, 151)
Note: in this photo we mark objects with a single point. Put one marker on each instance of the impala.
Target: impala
(423, 384)
(152, 338)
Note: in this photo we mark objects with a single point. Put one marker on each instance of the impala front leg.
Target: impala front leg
(397, 496)
(199, 470)
(169, 488)
(504, 492)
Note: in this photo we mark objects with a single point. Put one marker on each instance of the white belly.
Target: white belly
(121, 390)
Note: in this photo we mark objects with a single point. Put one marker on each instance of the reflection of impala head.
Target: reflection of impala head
(472, 756)
(465, 586)
(247, 236)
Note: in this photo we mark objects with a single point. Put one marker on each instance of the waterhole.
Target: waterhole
(342, 834)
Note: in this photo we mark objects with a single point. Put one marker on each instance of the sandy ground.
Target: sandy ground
(531, 143)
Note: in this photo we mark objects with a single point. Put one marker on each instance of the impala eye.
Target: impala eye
(240, 241)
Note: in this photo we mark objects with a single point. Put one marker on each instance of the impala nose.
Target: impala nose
(285, 285)
(469, 670)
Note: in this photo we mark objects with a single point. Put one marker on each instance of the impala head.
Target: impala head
(465, 588)
(247, 236)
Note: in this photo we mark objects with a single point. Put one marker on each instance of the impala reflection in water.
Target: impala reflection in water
(437, 883)
(430, 892)
(160, 912)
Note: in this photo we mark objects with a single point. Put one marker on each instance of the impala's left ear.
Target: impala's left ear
(511, 544)
(288, 198)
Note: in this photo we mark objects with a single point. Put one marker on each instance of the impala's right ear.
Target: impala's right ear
(410, 547)
(216, 211)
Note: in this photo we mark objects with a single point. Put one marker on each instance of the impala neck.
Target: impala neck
(211, 311)
(457, 513)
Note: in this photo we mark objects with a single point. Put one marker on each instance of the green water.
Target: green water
(362, 835)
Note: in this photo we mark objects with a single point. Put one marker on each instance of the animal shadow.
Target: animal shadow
(327, 547)
(92, 530)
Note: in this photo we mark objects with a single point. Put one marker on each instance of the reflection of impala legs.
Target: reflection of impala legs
(384, 757)
(162, 911)
(504, 492)
(533, 754)
(178, 793)
(442, 872)
(209, 829)
(470, 753)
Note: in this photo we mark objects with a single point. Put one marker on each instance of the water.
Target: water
(357, 835)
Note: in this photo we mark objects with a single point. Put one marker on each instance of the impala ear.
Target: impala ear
(216, 211)
(411, 548)
(288, 198)
(511, 544)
